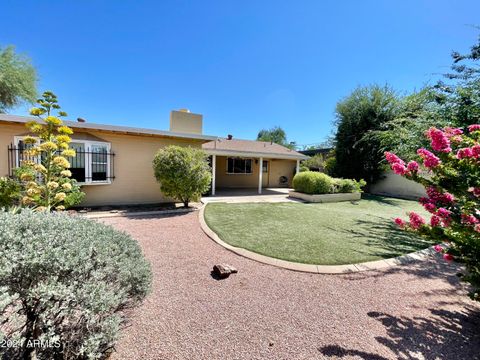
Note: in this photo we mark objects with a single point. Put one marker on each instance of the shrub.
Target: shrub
(349, 185)
(9, 192)
(64, 281)
(329, 165)
(310, 182)
(451, 175)
(183, 173)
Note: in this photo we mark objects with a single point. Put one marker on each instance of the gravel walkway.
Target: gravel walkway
(418, 311)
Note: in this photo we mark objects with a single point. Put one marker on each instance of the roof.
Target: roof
(237, 147)
(112, 128)
(314, 152)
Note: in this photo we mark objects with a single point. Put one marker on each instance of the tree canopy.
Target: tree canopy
(365, 110)
(276, 135)
(18, 79)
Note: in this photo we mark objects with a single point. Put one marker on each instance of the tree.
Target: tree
(365, 110)
(17, 79)
(183, 173)
(276, 135)
(451, 177)
(44, 174)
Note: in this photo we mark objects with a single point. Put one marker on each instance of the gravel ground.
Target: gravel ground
(417, 311)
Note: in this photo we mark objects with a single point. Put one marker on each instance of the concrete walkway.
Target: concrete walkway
(250, 195)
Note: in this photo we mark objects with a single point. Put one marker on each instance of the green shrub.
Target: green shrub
(9, 192)
(349, 185)
(183, 173)
(65, 280)
(311, 182)
(330, 165)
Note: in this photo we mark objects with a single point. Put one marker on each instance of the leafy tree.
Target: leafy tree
(276, 135)
(17, 79)
(45, 176)
(358, 116)
(183, 173)
(316, 162)
(451, 176)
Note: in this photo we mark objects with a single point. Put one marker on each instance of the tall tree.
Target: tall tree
(18, 79)
(276, 135)
(365, 110)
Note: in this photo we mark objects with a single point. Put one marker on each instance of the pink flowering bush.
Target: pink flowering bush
(450, 172)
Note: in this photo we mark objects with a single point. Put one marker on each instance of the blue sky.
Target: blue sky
(244, 65)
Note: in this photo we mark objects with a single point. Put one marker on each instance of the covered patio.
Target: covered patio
(246, 166)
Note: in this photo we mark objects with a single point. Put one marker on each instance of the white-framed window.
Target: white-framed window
(91, 165)
(239, 165)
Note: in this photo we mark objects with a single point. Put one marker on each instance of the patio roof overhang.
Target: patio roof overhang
(266, 155)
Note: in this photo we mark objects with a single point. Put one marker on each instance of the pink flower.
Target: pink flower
(393, 159)
(412, 166)
(449, 131)
(474, 127)
(437, 197)
(429, 159)
(475, 191)
(448, 257)
(439, 140)
(399, 169)
(430, 207)
(443, 213)
(399, 222)
(477, 228)
(438, 248)
(476, 151)
(464, 153)
(416, 221)
(469, 219)
(434, 221)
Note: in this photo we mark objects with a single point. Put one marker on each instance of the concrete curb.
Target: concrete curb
(309, 268)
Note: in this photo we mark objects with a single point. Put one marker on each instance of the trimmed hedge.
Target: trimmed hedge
(65, 281)
(311, 182)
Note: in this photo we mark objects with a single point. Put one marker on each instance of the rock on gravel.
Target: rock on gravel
(223, 271)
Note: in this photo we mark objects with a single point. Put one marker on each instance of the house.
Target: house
(114, 163)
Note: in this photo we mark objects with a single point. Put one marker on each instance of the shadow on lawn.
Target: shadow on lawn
(444, 334)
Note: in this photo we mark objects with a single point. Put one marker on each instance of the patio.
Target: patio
(411, 311)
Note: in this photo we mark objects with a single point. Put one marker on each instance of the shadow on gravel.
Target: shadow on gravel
(446, 335)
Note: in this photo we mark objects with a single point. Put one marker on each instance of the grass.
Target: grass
(324, 234)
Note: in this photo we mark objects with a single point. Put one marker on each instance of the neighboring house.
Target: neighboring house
(114, 163)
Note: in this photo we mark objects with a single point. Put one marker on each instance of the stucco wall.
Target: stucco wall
(134, 180)
(397, 186)
(276, 168)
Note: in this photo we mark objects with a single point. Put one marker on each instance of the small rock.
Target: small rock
(271, 343)
(223, 270)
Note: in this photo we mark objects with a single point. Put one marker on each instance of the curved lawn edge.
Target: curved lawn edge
(310, 268)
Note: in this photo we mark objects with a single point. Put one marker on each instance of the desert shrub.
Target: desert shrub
(349, 185)
(64, 281)
(9, 192)
(183, 172)
(311, 182)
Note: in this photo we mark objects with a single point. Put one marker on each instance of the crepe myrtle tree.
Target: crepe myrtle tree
(450, 173)
(183, 172)
(45, 174)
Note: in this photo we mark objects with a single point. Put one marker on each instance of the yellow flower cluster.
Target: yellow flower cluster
(29, 140)
(37, 111)
(65, 130)
(61, 161)
(27, 200)
(67, 186)
(66, 173)
(52, 185)
(26, 177)
(32, 152)
(60, 196)
(48, 146)
(60, 208)
(63, 138)
(53, 120)
(40, 168)
(69, 153)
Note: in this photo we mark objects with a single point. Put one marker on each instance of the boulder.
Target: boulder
(223, 270)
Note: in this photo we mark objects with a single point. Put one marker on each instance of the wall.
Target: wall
(276, 169)
(397, 186)
(134, 180)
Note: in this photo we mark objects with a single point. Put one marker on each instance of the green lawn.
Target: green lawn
(328, 234)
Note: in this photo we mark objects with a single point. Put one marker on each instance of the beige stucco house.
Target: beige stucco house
(114, 163)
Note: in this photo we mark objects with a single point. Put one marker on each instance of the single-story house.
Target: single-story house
(114, 163)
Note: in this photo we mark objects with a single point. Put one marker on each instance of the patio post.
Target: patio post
(260, 173)
(297, 170)
(214, 170)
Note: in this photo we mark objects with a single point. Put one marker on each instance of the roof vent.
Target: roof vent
(229, 137)
(81, 120)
